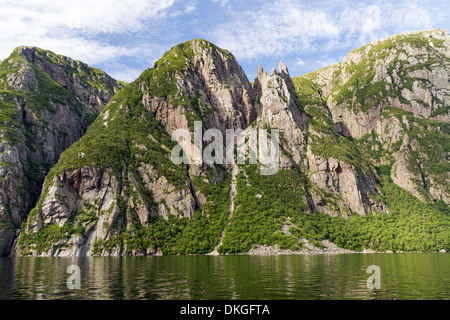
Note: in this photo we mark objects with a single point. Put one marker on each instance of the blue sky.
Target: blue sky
(123, 37)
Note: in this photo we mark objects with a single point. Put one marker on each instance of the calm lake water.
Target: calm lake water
(403, 276)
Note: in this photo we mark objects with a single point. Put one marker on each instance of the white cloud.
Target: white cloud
(190, 9)
(285, 27)
(121, 36)
(300, 62)
(325, 62)
(99, 16)
(76, 28)
(223, 3)
(126, 74)
(275, 29)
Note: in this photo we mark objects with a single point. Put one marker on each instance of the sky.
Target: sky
(124, 37)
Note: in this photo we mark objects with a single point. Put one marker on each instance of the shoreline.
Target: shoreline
(293, 253)
(262, 251)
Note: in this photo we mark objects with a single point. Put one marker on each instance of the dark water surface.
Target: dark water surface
(403, 276)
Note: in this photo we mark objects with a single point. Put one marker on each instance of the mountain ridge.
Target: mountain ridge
(411, 75)
(47, 102)
(116, 192)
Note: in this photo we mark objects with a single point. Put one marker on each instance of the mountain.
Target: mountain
(47, 101)
(392, 97)
(116, 191)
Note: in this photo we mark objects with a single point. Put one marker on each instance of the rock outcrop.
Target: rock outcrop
(205, 83)
(195, 81)
(352, 189)
(47, 102)
(280, 108)
(393, 96)
(117, 192)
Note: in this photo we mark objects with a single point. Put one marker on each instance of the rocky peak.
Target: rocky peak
(117, 192)
(91, 86)
(283, 69)
(410, 71)
(279, 108)
(396, 90)
(284, 73)
(279, 88)
(47, 102)
(197, 80)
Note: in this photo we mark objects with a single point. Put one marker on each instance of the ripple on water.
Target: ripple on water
(403, 276)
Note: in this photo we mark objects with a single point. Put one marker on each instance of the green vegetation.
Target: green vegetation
(268, 210)
(410, 225)
(427, 151)
(43, 97)
(123, 139)
(48, 91)
(339, 147)
(178, 62)
(308, 91)
(361, 93)
(211, 46)
(93, 77)
(9, 100)
(6, 225)
(162, 78)
(28, 98)
(259, 221)
(9, 114)
(324, 141)
(49, 237)
(428, 148)
(202, 233)
(127, 135)
(196, 235)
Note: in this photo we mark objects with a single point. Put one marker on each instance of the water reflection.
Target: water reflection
(404, 276)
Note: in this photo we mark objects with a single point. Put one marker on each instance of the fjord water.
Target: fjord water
(403, 276)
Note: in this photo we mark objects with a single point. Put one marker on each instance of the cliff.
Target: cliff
(351, 138)
(392, 98)
(47, 102)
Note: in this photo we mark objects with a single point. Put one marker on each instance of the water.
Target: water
(403, 276)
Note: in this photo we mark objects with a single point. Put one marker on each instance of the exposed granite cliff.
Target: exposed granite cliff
(392, 98)
(337, 188)
(126, 180)
(47, 102)
(198, 81)
(117, 192)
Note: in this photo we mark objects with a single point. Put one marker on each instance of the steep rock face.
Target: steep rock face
(91, 199)
(408, 71)
(47, 104)
(117, 191)
(351, 189)
(337, 187)
(130, 143)
(342, 180)
(205, 83)
(108, 183)
(90, 86)
(393, 96)
(280, 108)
